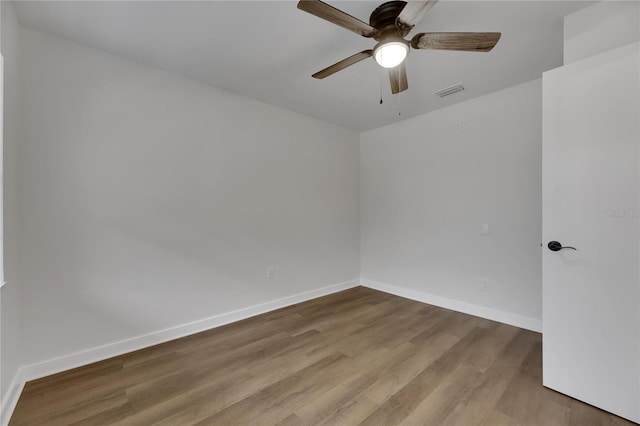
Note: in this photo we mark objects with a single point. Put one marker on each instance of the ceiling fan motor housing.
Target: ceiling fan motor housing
(383, 18)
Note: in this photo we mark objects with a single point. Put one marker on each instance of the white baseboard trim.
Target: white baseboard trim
(78, 359)
(456, 305)
(10, 400)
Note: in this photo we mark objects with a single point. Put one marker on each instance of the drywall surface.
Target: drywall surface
(150, 200)
(600, 27)
(10, 295)
(429, 183)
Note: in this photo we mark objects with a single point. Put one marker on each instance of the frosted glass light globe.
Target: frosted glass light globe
(391, 54)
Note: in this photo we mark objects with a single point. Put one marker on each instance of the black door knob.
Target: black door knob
(556, 246)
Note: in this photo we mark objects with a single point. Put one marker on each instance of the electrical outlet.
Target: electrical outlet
(271, 272)
(486, 284)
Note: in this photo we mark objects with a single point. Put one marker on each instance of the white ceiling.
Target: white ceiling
(268, 50)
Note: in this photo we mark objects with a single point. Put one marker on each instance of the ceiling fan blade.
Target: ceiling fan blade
(332, 69)
(413, 12)
(398, 79)
(336, 16)
(470, 42)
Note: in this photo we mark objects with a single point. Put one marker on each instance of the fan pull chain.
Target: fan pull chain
(381, 88)
(399, 106)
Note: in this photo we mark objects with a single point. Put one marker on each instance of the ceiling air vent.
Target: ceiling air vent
(449, 90)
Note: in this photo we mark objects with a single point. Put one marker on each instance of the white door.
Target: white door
(591, 192)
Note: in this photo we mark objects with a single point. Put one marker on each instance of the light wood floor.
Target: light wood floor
(355, 357)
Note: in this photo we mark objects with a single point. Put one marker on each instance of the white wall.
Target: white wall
(150, 200)
(600, 27)
(9, 294)
(427, 185)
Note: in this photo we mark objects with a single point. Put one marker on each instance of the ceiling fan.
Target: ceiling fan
(388, 24)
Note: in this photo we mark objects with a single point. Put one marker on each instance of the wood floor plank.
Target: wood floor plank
(496, 418)
(434, 408)
(355, 357)
(291, 420)
(264, 406)
(475, 403)
(371, 366)
(402, 403)
(352, 412)
(403, 372)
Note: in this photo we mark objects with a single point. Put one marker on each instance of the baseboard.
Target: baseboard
(10, 400)
(456, 305)
(78, 359)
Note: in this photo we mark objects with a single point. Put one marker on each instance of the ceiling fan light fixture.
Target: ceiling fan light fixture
(389, 24)
(390, 54)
